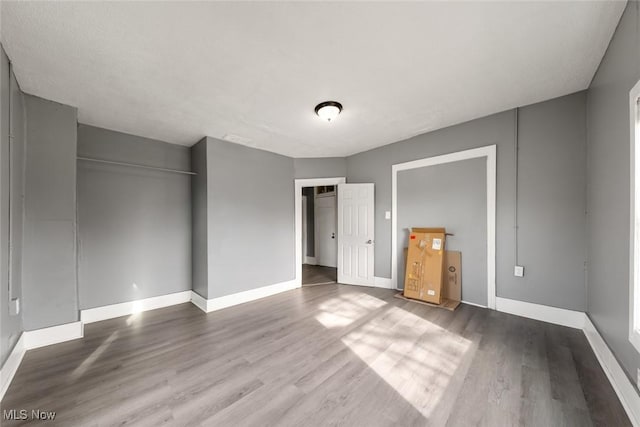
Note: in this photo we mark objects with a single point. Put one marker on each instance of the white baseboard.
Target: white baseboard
(11, 365)
(199, 301)
(311, 260)
(209, 305)
(382, 282)
(131, 307)
(545, 313)
(619, 381)
(53, 335)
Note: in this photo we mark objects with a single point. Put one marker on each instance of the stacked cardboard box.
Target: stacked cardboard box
(432, 274)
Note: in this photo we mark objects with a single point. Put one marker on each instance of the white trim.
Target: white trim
(11, 365)
(311, 260)
(53, 335)
(131, 307)
(634, 241)
(298, 185)
(199, 301)
(545, 313)
(619, 381)
(209, 305)
(382, 282)
(490, 153)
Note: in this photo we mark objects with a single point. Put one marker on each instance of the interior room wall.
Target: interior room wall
(250, 218)
(608, 188)
(452, 195)
(49, 281)
(134, 224)
(552, 143)
(311, 244)
(199, 209)
(324, 167)
(12, 122)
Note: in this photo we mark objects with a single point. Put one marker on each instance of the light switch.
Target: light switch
(387, 214)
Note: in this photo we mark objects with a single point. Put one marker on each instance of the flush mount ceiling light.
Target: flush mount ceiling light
(328, 110)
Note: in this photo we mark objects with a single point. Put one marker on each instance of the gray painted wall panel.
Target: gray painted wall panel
(10, 326)
(552, 202)
(250, 218)
(134, 224)
(49, 263)
(199, 201)
(561, 288)
(608, 188)
(325, 167)
(107, 144)
(451, 195)
(18, 147)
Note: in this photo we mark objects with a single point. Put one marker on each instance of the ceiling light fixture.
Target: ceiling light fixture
(328, 110)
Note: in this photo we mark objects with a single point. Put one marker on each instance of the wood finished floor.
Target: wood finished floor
(318, 275)
(322, 355)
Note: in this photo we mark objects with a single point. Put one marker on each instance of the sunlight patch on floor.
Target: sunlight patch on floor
(86, 363)
(343, 310)
(416, 357)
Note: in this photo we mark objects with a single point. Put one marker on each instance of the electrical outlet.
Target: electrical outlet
(518, 271)
(387, 214)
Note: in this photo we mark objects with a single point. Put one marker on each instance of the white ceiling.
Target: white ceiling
(178, 71)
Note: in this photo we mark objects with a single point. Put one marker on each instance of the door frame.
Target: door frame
(490, 153)
(298, 185)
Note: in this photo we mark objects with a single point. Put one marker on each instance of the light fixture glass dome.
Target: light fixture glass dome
(328, 110)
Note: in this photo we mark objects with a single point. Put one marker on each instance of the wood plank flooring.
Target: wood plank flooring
(318, 275)
(322, 355)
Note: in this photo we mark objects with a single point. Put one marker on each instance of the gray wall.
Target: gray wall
(49, 262)
(558, 128)
(134, 224)
(311, 243)
(325, 167)
(249, 219)
(608, 188)
(451, 195)
(199, 234)
(10, 197)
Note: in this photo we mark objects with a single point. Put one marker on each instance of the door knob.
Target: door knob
(333, 235)
(369, 242)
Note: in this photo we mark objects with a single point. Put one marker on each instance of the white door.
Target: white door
(325, 231)
(355, 234)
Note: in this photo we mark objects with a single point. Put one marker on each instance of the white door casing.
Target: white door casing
(356, 234)
(488, 152)
(299, 184)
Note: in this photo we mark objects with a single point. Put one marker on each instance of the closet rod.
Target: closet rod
(135, 165)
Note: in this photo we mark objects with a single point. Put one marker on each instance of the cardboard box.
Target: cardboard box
(452, 286)
(425, 262)
(451, 280)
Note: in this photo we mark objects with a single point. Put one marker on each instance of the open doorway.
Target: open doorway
(319, 232)
(353, 231)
